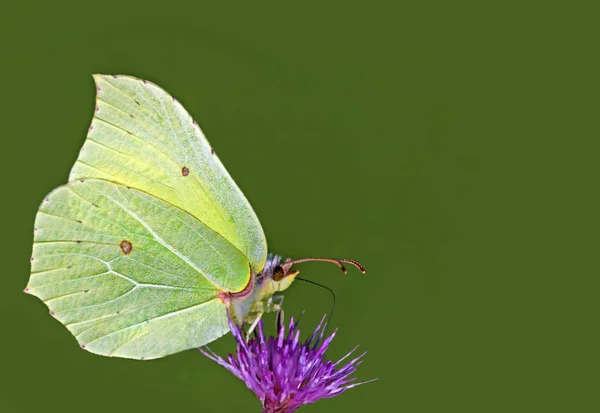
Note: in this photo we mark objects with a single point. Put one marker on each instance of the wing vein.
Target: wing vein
(158, 238)
(167, 315)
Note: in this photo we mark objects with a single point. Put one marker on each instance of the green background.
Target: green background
(451, 147)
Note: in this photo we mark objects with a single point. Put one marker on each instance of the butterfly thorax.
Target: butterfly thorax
(262, 299)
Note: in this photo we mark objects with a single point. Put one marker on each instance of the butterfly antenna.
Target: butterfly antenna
(288, 264)
(332, 295)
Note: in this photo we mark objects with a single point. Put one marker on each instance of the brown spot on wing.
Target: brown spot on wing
(126, 247)
(185, 171)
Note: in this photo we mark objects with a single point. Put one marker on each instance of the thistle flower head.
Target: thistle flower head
(285, 373)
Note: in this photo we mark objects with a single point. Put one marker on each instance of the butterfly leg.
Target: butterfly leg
(275, 303)
(253, 325)
(272, 304)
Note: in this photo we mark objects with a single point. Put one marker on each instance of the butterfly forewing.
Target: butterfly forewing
(142, 137)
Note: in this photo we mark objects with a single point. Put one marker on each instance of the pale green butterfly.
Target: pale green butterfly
(151, 243)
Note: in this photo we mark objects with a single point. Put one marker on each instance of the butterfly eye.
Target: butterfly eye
(278, 273)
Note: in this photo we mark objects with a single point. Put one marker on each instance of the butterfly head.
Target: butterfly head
(276, 276)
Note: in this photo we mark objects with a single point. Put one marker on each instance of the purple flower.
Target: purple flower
(284, 373)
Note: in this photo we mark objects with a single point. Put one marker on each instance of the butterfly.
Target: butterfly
(151, 246)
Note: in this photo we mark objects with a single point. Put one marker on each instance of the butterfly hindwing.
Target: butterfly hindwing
(131, 275)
